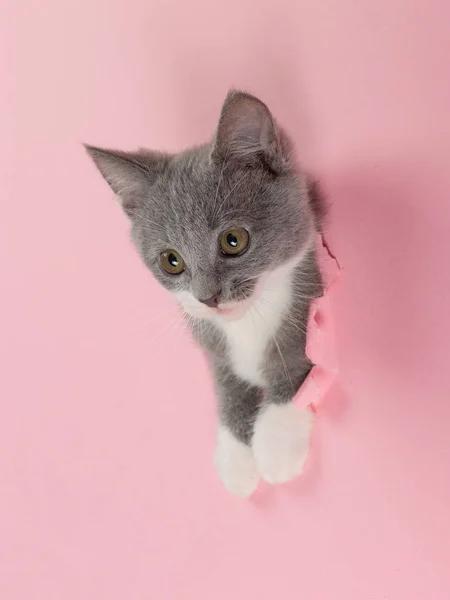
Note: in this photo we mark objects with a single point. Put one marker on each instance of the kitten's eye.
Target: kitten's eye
(172, 262)
(234, 241)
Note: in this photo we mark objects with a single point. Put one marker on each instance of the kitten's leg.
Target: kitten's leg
(282, 432)
(238, 406)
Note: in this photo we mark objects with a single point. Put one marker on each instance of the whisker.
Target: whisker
(286, 317)
(218, 186)
(188, 319)
(279, 350)
(136, 214)
(200, 323)
(295, 294)
(231, 191)
(304, 297)
(176, 321)
(147, 323)
(249, 279)
(155, 227)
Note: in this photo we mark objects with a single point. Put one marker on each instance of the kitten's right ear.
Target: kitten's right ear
(128, 174)
(247, 133)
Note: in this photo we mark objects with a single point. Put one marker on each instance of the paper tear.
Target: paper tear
(321, 341)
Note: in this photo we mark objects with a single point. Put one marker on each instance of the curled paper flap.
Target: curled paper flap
(320, 344)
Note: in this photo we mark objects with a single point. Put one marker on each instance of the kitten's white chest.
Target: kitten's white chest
(247, 341)
(247, 338)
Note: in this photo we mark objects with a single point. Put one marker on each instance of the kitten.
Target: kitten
(229, 228)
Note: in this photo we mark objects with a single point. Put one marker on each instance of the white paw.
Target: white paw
(235, 464)
(281, 441)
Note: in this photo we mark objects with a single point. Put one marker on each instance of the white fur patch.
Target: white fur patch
(235, 464)
(281, 441)
(248, 336)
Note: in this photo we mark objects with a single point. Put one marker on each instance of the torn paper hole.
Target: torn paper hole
(320, 344)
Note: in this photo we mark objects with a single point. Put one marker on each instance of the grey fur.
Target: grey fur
(245, 176)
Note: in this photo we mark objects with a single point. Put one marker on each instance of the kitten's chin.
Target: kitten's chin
(221, 313)
(227, 311)
(233, 311)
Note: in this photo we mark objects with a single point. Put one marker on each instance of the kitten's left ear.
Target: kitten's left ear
(247, 133)
(129, 174)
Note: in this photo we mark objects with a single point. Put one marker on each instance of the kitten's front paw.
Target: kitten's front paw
(235, 464)
(281, 441)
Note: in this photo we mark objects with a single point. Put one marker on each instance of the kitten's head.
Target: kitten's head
(215, 223)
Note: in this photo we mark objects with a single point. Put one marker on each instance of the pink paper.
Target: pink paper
(320, 346)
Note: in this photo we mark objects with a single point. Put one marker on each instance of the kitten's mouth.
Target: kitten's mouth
(227, 310)
(235, 310)
(232, 311)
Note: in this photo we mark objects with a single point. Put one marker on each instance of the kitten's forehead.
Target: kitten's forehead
(195, 189)
(187, 199)
(187, 185)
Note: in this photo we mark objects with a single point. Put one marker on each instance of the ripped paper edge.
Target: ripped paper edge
(321, 339)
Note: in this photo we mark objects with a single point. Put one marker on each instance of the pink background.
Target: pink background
(106, 434)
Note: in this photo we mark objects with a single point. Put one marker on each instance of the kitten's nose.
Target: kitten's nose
(213, 301)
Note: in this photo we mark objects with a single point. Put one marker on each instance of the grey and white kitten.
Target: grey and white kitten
(229, 228)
